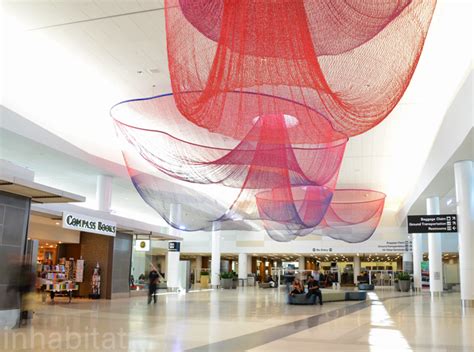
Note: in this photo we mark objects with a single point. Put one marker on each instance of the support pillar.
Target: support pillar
(103, 192)
(198, 268)
(243, 265)
(408, 262)
(464, 181)
(434, 250)
(417, 259)
(216, 255)
(301, 264)
(356, 269)
(172, 258)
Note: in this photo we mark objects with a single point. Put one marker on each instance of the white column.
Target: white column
(243, 258)
(216, 255)
(162, 262)
(417, 259)
(356, 268)
(172, 270)
(408, 262)
(103, 192)
(434, 250)
(464, 180)
(172, 258)
(198, 268)
(301, 263)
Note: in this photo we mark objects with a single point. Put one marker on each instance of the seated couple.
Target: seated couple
(313, 289)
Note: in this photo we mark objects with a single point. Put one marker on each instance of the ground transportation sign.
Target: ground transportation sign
(432, 223)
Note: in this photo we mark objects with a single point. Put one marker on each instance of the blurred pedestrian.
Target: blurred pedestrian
(153, 278)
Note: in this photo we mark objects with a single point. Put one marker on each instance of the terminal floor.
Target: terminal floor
(248, 319)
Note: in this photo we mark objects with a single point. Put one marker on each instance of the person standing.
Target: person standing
(153, 279)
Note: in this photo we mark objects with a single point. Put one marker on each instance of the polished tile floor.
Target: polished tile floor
(248, 319)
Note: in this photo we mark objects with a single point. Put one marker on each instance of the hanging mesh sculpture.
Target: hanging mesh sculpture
(265, 96)
(351, 61)
(352, 216)
(302, 176)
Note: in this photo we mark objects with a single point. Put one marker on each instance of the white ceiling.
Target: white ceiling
(66, 62)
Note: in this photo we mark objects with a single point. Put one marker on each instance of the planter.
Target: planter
(235, 282)
(397, 286)
(204, 281)
(226, 283)
(404, 285)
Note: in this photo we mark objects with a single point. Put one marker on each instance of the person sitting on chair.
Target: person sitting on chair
(271, 281)
(313, 289)
(296, 288)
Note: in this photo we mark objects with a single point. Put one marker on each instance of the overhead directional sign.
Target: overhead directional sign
(174, 246)
(432, 223)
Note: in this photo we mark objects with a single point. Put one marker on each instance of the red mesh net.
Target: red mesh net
(265, 95)
(276, 180)
(265, 158)
(348, 61)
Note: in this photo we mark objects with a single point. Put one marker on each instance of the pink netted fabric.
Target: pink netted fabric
(299, 178)
(351, 216)
(265, 97)
(349, 61)
(265, 158)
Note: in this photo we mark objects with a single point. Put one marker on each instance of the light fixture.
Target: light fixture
(57, 222)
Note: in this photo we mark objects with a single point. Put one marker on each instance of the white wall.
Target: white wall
(458, 122)
(259, 242)
(53, 233)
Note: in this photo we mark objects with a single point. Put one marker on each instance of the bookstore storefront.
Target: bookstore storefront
(79, 255)
(89, 252)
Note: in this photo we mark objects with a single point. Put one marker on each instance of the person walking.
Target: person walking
(153, 279)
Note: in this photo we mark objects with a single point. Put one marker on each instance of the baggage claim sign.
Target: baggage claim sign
(432, 223)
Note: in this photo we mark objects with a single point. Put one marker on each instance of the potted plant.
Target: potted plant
(226, 280)
(395, 283)
(204, 279)
(404, 281)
